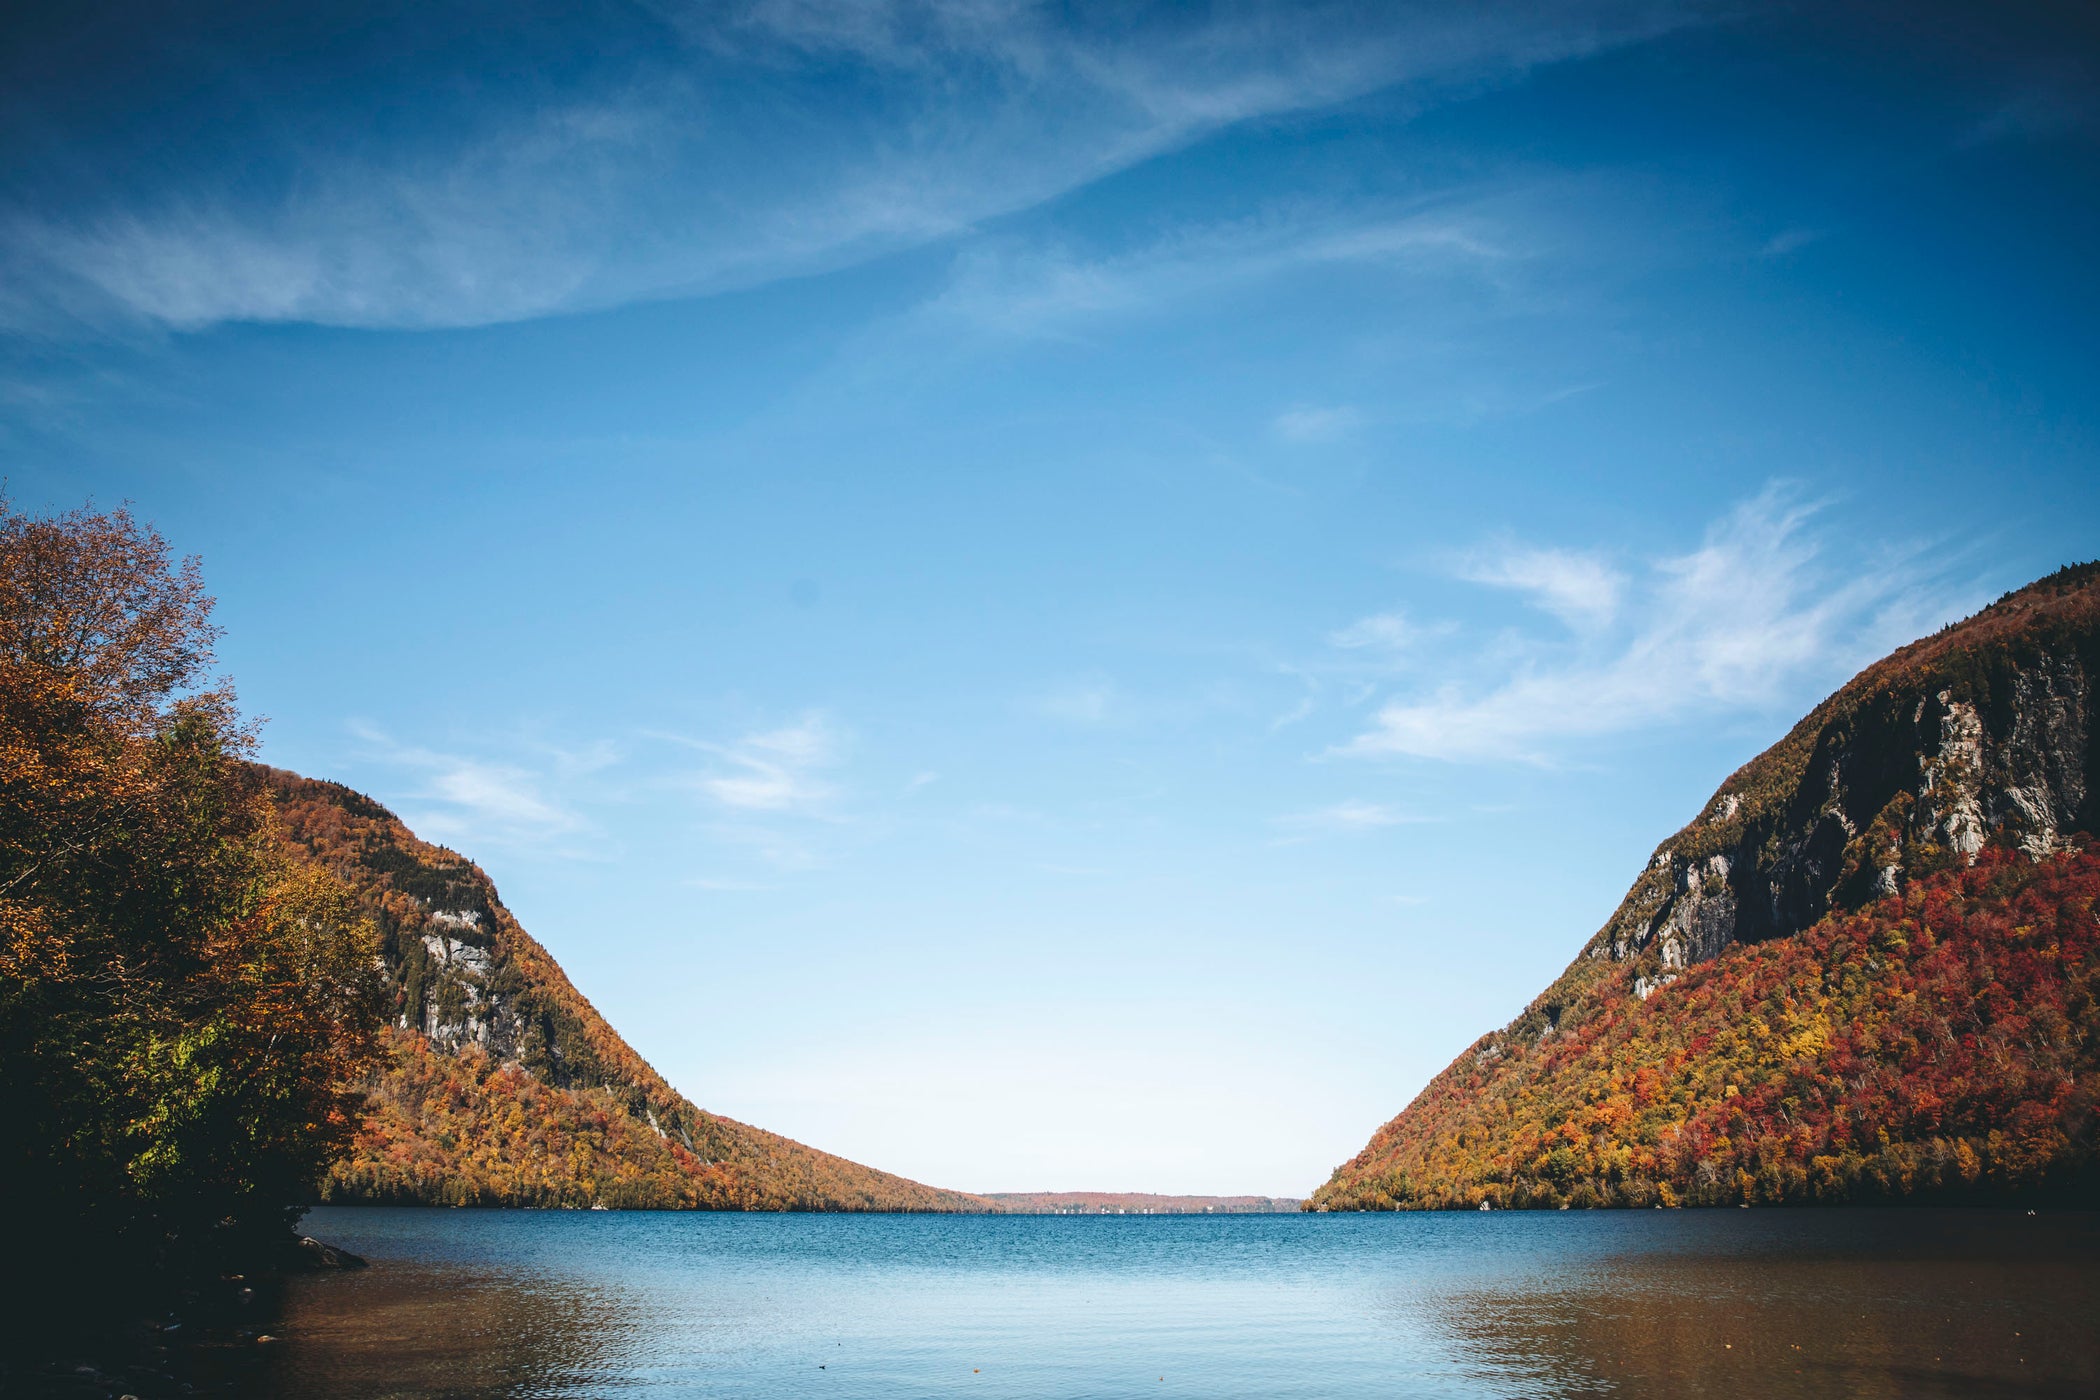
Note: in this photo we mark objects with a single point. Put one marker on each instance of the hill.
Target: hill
(1866, 970)
(1134, 1203)
(503, 1086)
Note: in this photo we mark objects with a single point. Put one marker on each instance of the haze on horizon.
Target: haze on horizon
(1057, 598)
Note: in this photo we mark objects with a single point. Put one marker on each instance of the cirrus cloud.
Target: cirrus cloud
(659, 169)
(1740, 622)
(774, 770)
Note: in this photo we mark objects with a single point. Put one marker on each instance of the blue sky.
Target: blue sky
(1058, 597)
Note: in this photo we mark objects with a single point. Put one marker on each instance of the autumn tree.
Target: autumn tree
(183, 1003)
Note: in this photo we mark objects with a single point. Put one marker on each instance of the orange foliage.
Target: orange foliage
(504, 1086)
(183, 1008)
(1938, 1043)
(1834, 1060)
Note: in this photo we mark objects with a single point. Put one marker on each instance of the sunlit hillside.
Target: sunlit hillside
(502, 1085)
(1867, 971)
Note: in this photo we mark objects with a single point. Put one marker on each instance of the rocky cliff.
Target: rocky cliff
(1979, 739)
(1982, 733)
(504, 1086)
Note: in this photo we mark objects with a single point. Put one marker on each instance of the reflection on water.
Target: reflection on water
(1643, 1304)
(1804, 1303)
(410, 1328)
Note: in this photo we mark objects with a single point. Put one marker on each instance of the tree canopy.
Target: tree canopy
(185, 1002)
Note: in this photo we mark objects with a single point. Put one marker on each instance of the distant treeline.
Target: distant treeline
(1136, 1203)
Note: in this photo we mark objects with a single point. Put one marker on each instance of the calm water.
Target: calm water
(1734, 1303)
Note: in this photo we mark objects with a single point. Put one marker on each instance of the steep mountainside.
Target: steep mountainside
(504, 1087)
(1865, 970)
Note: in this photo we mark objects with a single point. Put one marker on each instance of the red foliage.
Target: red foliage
(1940, 1042)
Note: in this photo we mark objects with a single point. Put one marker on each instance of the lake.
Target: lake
(1725, 1303)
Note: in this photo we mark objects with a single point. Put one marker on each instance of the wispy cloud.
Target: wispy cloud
(771, 771)
(1580, 589)
(499, 227)
(1347, 816)
(910, 120)
(1020, 288)
(1308, 699)
(766, 799)
(1739, 622)
(469, 797)
(1380, 632)
(753, 807)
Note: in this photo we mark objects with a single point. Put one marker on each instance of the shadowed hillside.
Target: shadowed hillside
(503, 1086)
(1865, 971)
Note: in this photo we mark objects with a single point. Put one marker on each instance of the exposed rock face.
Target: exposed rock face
(461, 974)
(1947, 756)
(504, 1086)
(1912, 768)
(1700, 917)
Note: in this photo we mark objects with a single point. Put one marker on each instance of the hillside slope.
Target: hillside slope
(1865, 970)
(503, 1086)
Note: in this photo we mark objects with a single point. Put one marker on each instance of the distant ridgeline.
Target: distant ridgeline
(1135, 1203)
(1866, 971)
(503, 1086)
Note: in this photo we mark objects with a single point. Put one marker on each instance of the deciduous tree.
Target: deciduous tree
(184, 1003)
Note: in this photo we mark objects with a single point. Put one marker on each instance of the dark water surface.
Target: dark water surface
(1629, 1303)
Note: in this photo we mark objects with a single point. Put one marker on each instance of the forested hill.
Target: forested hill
(1866, 970)
(501, 1084)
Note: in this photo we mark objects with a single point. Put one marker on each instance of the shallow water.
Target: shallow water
(1767, 1303)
